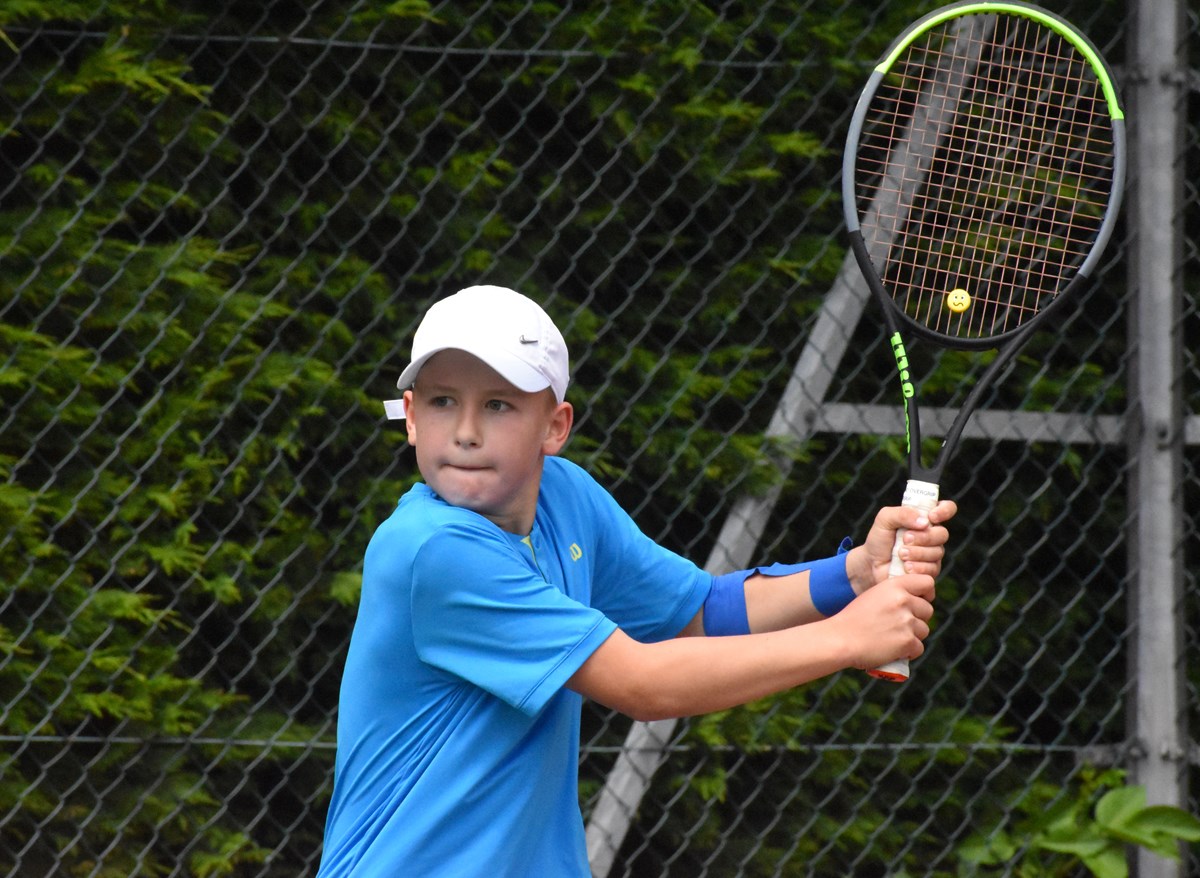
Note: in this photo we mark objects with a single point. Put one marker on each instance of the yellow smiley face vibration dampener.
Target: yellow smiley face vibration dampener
(958, 300)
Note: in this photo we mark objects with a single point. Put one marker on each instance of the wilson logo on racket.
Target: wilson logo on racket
(901, 355)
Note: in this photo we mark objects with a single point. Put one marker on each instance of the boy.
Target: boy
(509, 585)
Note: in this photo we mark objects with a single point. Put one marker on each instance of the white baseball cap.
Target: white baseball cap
(508, 331)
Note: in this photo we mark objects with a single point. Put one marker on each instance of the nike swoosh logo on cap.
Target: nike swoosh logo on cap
(525, 340)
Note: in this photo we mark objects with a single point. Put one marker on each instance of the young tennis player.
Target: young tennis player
(509, 585)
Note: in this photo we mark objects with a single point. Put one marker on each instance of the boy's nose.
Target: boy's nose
(467, 431)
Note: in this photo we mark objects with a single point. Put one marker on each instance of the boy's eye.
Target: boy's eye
(439, 401)
(496, 405)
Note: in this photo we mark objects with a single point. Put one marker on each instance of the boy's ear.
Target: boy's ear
(410, 426)
(558, 431)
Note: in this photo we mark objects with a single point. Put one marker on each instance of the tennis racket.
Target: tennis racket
(981, 181)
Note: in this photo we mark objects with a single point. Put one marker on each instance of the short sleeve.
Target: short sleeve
(648, 590)
(481, 613)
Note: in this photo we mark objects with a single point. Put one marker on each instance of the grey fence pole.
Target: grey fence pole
(1156, 97)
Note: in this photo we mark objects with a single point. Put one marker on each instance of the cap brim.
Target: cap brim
(516, 372)
(409, 376)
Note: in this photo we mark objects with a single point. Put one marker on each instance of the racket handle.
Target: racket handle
(917, 495)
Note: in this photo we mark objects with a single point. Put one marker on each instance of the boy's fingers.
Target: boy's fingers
(921, 586)
(943, 512)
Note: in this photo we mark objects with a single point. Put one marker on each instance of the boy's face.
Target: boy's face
(480, 441)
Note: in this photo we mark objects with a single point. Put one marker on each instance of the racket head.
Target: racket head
(983, 171)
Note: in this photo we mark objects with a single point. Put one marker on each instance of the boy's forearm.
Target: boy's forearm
(738, 670)
(777, 602)
(692, 675)
(774, 603)
(689, 676)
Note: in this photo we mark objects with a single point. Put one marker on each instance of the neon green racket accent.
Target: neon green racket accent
(1032, 12)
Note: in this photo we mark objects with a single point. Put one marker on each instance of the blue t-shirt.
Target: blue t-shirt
(458, 743)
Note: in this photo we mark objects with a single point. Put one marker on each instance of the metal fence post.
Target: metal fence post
(1158, 727)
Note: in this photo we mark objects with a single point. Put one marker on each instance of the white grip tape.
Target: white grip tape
(917, 495)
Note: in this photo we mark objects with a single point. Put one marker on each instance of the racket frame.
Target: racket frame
(896, 322)
(924, 481)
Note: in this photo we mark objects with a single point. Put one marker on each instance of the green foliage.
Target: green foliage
(178, 407)
(1095, 824)
(190, 462)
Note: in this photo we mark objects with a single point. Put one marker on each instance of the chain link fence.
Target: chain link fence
(221, 222)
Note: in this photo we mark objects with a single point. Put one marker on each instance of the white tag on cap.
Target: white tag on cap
(394, 408)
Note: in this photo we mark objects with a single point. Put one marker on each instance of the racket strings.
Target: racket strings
(991, 142)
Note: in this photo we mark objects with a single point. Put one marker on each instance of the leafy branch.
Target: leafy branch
(1094, 827)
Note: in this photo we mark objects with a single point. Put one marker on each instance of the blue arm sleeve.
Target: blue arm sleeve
(828, 586)
(725, 606)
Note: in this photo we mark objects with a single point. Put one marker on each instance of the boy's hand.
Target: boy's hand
(890, 621)
(922, 552)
